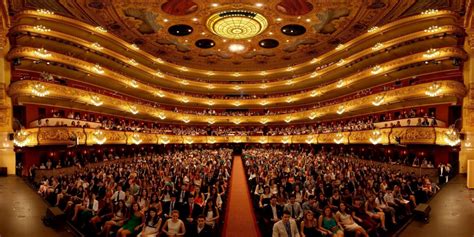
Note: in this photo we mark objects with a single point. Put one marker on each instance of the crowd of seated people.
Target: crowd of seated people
(174, 193)
(391, 119)
(327, 193)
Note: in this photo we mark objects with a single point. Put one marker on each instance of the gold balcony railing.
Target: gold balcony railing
(86, 136)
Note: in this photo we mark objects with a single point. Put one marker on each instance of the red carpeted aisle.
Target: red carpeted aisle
(240, 217)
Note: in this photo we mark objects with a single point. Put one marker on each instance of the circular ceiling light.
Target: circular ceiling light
(236, 48)
(237, 24)
(180, 30)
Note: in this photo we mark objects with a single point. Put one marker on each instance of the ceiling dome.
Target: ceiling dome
(237, 24)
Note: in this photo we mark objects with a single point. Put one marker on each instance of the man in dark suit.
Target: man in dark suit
(271, 214)
(190, 211)
(200, 229)
(168, 207)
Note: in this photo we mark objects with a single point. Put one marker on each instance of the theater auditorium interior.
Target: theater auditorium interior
(237, 118)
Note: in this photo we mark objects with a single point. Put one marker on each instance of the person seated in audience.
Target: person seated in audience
(133, 224)
(294, 208)
(309, 225)
(345, 220)
(265, 197)
(381, 204)
(374, 212)
(120, 214)
(174, 227)
(328, 225)
(285, 227)
(361, 217)
(200, 229)
(211, 213)
(190, 211)
(152, 224)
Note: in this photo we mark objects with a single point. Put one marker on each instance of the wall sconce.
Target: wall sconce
(377, 69)
(134, 84)
(341, 109)
(290, 82)
(373, 29)
(339, 138)
(95, 100)
(97, 46)
(188, 140)
(237, 121)
(237, 103)
(100, 29)
(44, 12)
(133, 62)
(263, 140)
(340, 84)
(452, 137)
(210, 73)
(340, 62)
(159, 74)
(162, 116)
(263, 103)
(313, 115)
(377, 46)
(375, 137)
(43, 53)
(210, 102)
(289, 100)
(39, 90)
(160, 94)
(314, 93)
(286, 140)
(263, 87)
(236, 74)
(98, 69)
(184, 69)
(164, 140)
(184, 100)
(21, 138)
(133, 109)
(211, 121)
(211, 140)
(264, 121)
(289, 69)
(263, 73)
(186, 120)
(314, 74)
(134, 46)
(433, 90)
(340, 46)
(210, 87)
(309, 139)
(237, 88)
(41, 28)
(184, 82)
(136, 139)
(431, 53)
(99, 137)
(429, 12)
(378, 100)
(288, 119)
(314, 60)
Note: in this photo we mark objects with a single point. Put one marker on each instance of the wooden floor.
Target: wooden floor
(452, 213)
(240, 219)
(21, 210)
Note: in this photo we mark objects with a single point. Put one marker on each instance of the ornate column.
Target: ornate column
(467, 146)
(7, 155)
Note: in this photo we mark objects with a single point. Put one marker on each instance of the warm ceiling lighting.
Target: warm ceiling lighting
(44, 12)
(165, 20)
(133, 62)
(195, 19)
(373, 29)
(341, 109)
(340, 84)
(314, 93)
(42, 53)
(378, 100)
(214, 4)
(160, 94)
(313, 115)
(432, 29)
(433, 90)
(264, 102)
(98, 69)
(162, 116)
(134, 46)
(237, 24)
(341, 62)
(236, 48)
(340, 46)
(308, 20)
(278, 19)
(258, 4)
(100, 29)
(41, 28)
(133, 109)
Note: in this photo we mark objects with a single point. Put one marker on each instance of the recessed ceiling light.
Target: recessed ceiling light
(259, 4)
(270, 33)
(224, 40)
(236, 48)
(195, 19)
(215, 4)
(165, 20)
(308, 20)
(203, 33)
(278, 19)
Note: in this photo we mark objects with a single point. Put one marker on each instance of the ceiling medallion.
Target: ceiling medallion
(237, 24)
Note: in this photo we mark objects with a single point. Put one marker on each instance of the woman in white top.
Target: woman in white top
(151, 227)
(211, 213)
(345, 220)
(174, 227)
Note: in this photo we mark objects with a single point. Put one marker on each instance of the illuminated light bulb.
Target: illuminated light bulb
(373, 29)
(211, 121)
(133, 109)
(214, 4)
(44, 12)
(289, 100)
(433, 90)
(378, 100)
(100, 29)
(264, 121)
(432, 29)
(98, 69)
(377, 69)
(236, 48)
(97, 46)
(134, 83)
(184, 82)
(210, 86)
(278, 19)
(313, 115)
(339, 138)
(431, 53)
(340, 84)
(21, 138)
(340, 62)
(314, 60)
(195, 19)
(162, 116)
(259, 4)
(95, 100)
(41, 28)
(165, 20)
(308, 20)
(39, 90)
(452, 137)
(133, 62)
(377, 46)
(429, 12)
(43, 53)
(340, 46)
(237, 104)
(314, 93)
(341, 109)
(134, 46)
(159, 74)
(99, 137)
